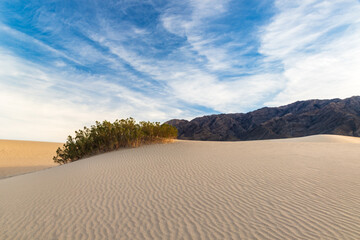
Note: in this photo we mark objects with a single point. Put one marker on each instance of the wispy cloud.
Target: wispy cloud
(38, 102)
(317, 45)
(26, 39)
(190, 72)
(193, 24)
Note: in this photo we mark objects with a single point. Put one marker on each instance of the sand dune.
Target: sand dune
(324, 138)
(192, 190)
(18, 157)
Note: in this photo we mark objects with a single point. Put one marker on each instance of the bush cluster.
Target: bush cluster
(107, 136)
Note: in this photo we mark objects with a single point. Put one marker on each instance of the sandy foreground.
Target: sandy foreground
(19, 157)
(305, 188)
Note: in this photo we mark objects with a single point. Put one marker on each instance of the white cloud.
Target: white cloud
(233, 95)
(38, 103)
(317, 43)
(193, 24)
(193, 85)
(190, 82)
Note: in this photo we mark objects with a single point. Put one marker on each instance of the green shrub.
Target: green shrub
(107, 136)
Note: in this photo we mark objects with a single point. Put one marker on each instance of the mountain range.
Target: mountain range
(302, 118)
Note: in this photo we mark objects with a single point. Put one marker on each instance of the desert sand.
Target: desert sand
(19, 157)
(305, 188)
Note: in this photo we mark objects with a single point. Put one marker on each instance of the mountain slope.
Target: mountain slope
(302, 118)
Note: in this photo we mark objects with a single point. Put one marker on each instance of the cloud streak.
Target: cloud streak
(316, 43)
(38, 102)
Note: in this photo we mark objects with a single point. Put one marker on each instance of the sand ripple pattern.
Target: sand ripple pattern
(191, 190)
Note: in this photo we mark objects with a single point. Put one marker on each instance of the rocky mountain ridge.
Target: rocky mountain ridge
(302, 118)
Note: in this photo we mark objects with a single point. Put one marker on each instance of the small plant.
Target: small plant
(107, 136)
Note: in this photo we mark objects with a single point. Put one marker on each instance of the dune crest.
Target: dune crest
(322, 138)
(191, 190)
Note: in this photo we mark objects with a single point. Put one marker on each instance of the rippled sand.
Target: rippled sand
(307, 188)
(19, 157)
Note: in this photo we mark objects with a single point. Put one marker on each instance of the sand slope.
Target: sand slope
(323, 138)
(18, 157)
(192, 190)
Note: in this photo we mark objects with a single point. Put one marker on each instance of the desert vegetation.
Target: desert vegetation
(106, 136)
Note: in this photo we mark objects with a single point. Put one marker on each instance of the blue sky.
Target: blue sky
(65, 64)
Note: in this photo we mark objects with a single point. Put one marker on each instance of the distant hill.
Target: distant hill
(302, 118)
